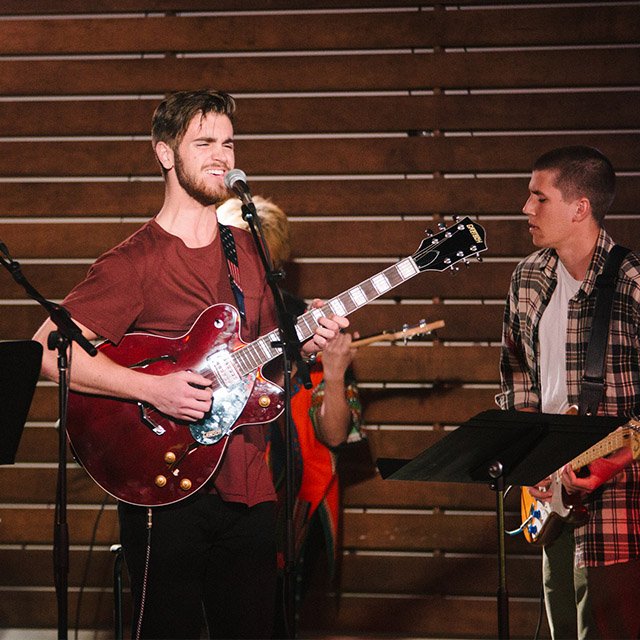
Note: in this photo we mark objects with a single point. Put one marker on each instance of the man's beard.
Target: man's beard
(198, 190)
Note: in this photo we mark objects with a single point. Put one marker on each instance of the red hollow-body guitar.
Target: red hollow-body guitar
(144, 457)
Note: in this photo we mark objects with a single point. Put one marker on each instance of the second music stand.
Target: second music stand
(21, 361)
(498, 448)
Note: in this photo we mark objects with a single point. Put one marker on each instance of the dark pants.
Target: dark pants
(614, 593)
(206, 554)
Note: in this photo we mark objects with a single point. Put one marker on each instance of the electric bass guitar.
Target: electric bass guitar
(542, 520)
(143, 457)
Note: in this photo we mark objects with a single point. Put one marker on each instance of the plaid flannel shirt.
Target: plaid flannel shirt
(612, 534)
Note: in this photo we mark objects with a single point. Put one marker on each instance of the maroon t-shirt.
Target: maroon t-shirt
(153, 283)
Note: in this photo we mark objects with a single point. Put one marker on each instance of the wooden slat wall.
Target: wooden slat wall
(368, 121)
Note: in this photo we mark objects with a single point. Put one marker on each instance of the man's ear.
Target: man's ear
(164, 153)
(583, 209)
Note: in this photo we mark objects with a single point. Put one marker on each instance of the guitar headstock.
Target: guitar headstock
(419, 329)
(441, 251)
(632, 432)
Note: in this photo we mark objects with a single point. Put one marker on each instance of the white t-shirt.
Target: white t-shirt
(552, 334)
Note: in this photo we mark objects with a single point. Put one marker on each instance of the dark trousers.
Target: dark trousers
(614, 593)
(205, 555)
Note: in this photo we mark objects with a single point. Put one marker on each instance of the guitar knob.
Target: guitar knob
(185, 484)
(264, 401)
(169, 457)
(532, 529)
(161, 481)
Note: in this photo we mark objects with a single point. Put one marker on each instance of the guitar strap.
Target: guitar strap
(593, 378)
(229, 248)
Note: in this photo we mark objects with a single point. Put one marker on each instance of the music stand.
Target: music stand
(498, 448)
(20, 367)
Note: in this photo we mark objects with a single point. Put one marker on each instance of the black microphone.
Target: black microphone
(236, 181)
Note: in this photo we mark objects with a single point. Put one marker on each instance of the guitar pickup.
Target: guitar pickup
(221, 364)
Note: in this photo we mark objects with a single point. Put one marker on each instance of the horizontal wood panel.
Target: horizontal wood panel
(405, 494)
(23, 525)
(426, 616)
(425, 406)
(34, 567)
(429, 531)
(27, 7)
(454, 532)
(300, 198)
(401, 155)
(411, 364)
(308, 115)
(23, 485)
(366, 72)
(317, 31)
(38, 609)
(31, 485)
(467, 576)
(359, 572)
(464, 322)
(40, 444)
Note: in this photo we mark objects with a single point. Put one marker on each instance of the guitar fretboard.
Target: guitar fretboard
(255, 354)
(624, 437)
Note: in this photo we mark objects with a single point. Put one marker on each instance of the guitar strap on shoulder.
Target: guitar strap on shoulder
(593, 378)
(229, 248)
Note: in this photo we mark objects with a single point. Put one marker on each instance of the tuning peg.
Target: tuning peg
(429, 232)
(442, 226)
(478, 257)
(456, 218)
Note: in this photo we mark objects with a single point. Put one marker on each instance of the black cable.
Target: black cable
(85, 577)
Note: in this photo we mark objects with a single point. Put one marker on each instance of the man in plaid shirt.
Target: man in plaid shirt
(591, 574)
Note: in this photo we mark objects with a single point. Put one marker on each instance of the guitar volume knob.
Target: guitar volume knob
(169, 457)
(161, 481)
(185, 484)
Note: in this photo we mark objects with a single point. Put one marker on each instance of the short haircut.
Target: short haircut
(173, 115)
(273, 220)
(582, 171)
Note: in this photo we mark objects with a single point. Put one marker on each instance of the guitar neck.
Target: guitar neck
(436, 253)
(626, 436)
(398, 335)
(262, 350)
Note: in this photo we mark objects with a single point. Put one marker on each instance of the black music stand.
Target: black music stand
(499, 448)
(20, 363)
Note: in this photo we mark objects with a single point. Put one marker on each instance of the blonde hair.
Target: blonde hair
(273, 220)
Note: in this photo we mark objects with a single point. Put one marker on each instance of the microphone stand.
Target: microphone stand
(290, 345)
(67, 332)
